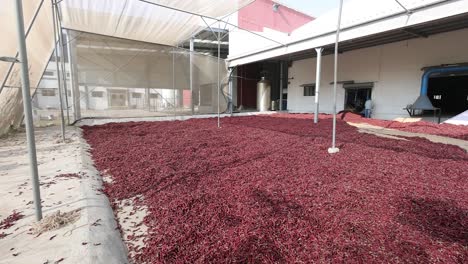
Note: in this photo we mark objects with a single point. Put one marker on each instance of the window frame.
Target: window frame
(94, 94)
(308, 89)
(48, 92)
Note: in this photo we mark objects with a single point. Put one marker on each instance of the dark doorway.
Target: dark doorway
(449, 93)
(355, 98)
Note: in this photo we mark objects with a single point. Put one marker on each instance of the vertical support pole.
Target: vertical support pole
(87, 97)
(147, 98)
(148, 85)
(129, 100)
(62, 60)
(281, 86)
(26, 93)
(192, 49)
(58, 71)
(231, 92)
(75, 87)
(317, 82)
(334, 149)
(173, 81)
(219, 84)
(241, 85)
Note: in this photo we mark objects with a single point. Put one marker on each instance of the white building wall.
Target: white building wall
(243, 42)
(394, 68)
(50, 82)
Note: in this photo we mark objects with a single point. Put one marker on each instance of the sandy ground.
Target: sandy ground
(92, 238)
(397, 134)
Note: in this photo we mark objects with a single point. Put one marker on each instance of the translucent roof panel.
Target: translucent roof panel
(39, 43)
(356, 12)
(167, 22)
(145, 20)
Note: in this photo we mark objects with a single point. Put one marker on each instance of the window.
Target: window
(48, 92)
(97, 94)
(438, 97)
(136, 95)
(49, 73)
(154, 96)
(309, 89)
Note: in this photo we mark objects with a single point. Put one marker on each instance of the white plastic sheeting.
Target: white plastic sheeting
(128, 19)
(39, 43)
(125, 78)
(461, 119)
(141, 20)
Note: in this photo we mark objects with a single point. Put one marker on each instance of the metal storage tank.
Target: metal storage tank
(263, 95)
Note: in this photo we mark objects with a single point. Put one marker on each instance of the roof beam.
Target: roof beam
(404, 7)
(212, 18)
(414, 33)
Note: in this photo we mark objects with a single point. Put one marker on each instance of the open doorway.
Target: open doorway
(449, 93)
(355, 98)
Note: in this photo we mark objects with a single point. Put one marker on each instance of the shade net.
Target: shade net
(169, 22)
(148, 20)
(39, 42)
(120, 78)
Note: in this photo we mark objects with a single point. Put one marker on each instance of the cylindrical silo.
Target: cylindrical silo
(263, 95)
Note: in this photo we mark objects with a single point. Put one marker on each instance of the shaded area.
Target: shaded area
(263, 189)
(443, 220)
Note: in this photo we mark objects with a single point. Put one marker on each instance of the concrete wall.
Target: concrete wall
(394, 68)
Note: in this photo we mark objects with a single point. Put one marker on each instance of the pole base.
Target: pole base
(333, 150)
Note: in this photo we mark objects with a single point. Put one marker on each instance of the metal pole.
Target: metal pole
(241, 85)
(191, 74)
(281, 86)
(26, 93)
(231, 103)
(58, 72)
(148, 84)
(219, 85)
(10, 68)
(334, 149)
(173, 81)
(317, 82)
(62, 62)
(75, 86)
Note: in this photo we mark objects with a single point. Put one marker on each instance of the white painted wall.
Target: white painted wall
(243, 42)
(394, 68)
(51, 102)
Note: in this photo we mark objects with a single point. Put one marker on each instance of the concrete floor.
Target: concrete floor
(92, 238)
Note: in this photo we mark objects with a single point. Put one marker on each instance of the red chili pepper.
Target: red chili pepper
(265, 189)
